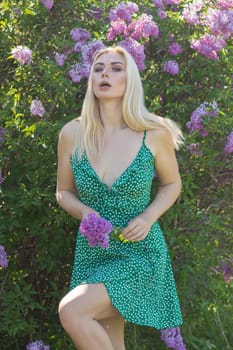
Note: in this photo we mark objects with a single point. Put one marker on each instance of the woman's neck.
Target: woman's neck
(111, 114)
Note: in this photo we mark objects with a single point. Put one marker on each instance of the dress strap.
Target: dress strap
(144, 136)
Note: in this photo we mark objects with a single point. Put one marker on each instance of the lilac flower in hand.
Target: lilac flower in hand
(97, 230)
(37, 345)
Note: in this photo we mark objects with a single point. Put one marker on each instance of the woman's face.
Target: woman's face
(109, 76)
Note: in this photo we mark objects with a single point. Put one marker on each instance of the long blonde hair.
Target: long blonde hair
(89, 135)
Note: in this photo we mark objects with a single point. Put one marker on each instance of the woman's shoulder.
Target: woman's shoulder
(69, 129)
(159, 138)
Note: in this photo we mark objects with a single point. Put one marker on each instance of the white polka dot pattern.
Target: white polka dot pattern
(138, 276)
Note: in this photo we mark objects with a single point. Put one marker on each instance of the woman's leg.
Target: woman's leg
(80, 312)
(115, 329)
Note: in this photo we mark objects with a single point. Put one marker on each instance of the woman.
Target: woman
(106, 164)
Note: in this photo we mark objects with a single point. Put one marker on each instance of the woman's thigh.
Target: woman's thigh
(89, 300)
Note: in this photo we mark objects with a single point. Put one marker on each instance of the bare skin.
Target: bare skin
(86, 312)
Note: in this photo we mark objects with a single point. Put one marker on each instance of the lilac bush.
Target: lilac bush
(50, 64)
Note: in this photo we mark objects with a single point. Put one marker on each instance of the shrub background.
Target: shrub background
(39, 237)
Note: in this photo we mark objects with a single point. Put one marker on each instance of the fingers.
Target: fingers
(136, 230)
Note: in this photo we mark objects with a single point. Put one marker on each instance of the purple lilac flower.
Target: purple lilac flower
(229, 144)
(144, 27)
(22, 54)
(224, 4)
(194, 149)
(172, 2)
(96, 12)
(37, 108)
(37, 345)
(175, 49)
(162, 14)
(171, 67)
(220, 22)
(172, 338)
(60, 59)
(3, 257)
(2, 134)
(208, 46)
(79, 71)
(47, 3)
(117, 28)
(196, 123)
(88, 51)
(159, 4)
(190, 12)
(227, 271)
(97, 230)
(123, 11)
(80, 34)
(136, 50)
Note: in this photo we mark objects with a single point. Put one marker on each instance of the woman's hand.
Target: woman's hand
(138, 228)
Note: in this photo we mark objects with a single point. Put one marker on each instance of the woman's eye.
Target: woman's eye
(98, 70)
(116, 69)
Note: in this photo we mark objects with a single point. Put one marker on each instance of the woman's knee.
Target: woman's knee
(68, 312)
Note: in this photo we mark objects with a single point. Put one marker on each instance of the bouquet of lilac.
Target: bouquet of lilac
(97, 230)
(172, 338)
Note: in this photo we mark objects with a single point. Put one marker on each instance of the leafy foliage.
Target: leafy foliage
(39, 237)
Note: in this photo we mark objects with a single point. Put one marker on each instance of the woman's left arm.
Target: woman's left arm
(169, 185)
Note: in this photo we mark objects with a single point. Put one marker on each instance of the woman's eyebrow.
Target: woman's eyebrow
(112, 63)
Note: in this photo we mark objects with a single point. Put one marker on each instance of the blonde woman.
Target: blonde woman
(106, 164)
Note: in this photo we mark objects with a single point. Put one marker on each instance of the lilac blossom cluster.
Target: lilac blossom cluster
(123, 11)
(47, 4)
(37, 345)
(208, 45)
(175, 48)
(3, 257)
(226, 269)
(2, 134)
(171, 67)
(123, 24)
(217, 21)
(87, 51)
(37, 108)
(172, 338)
(194, 149)
(136, 50)
(197, 120)
(229, 144)
(162, 5)
(97, 230)
(22, 54)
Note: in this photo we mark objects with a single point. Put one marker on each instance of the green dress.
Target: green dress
(138, 276)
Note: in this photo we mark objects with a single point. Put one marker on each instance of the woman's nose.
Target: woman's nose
(104, 73)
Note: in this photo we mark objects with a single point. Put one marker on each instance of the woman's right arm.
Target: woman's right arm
(66, 192)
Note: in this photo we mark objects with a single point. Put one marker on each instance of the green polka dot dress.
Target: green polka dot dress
(138, 276)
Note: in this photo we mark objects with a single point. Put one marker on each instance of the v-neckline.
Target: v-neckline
(122, 173)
